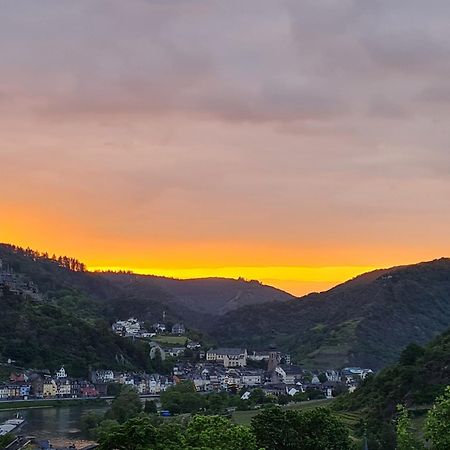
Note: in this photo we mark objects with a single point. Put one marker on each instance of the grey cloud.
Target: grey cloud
(256, 61)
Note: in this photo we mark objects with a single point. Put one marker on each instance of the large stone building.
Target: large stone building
(229, 357)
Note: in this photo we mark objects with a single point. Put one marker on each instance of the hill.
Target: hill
(419, 376)
(43, 335)
(210, 296)
(366, 321)
(67, 320)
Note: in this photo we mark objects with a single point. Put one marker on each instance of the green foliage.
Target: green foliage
(322, 377)
(150, 407)
(417, 379)
(366, 321)
(259, 397)
(6, 440)
(125, 406)
(90, 422)
(201, 433)
(182, 398)
(137, 433)
(217, 433)
(70, 325)
(314, 429)
(405, 437)
(437, 426)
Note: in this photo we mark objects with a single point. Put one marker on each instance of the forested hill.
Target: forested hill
(210, 296)
(366, 321)
(420, 375)
(68, 320)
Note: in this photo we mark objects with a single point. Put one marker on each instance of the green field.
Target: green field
(172, 340)
(49, 403)
(245, 417)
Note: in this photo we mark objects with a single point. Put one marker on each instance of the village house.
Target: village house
(159, 327)
(88, 390)
(37, 385)
(193, 345)
(229, 357)
(49, 388)
(64, 389)
(101, 376)
(13, 391)
(178, 328)
(258, 356)
(61, 373)
(130, 327)
(251, 378)
(4, 391)
(174, 351)
(288, 374)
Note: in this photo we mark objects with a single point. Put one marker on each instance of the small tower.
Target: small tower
(274, 359)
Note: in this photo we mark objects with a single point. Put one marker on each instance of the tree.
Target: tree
(322, 377)
(126, 405)
(437, 425)
(315, 429)
(405, 439)
(135, 434)
(89, 423)
(182, 398)
(150, 407)
(217, 433)
(411, 354)
(258, 396)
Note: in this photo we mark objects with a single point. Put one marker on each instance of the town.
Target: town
(233, 370)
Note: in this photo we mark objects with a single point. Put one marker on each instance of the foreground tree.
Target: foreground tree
(202, 433)
(135, 434)
(437, 426)
(405, 438)
(217, 433)
(182, 398)
(316, 429)
(126, 405)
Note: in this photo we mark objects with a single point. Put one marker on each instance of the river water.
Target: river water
(51, 423)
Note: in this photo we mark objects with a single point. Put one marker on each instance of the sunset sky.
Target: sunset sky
(296, 142)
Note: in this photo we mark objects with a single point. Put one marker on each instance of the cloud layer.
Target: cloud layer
(300, 132)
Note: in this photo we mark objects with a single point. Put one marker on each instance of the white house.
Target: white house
(4, 392)
(61, 373)
(103, 376)
(251, 378)
(63, 387)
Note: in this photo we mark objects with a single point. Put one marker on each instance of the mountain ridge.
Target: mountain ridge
(364, 321)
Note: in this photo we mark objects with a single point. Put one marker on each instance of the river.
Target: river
(53, 423)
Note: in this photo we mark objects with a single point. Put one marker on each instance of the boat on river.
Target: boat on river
(11, 425)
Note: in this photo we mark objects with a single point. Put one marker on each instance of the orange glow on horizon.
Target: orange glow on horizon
(273, 263)
(296, 280)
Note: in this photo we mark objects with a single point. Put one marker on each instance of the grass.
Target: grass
(33, 404)
(245, 417)
(172, 340)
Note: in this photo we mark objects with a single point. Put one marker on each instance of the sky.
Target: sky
(295, 142)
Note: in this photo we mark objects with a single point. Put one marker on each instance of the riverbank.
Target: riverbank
(12, 405)
(66, 443)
